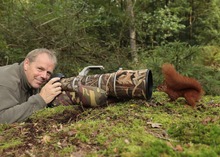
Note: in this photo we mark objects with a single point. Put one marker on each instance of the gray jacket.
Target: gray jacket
(17, 100)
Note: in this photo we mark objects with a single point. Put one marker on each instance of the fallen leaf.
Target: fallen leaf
(78, 154)
(115, 150)
(154, 125)
(127, 141)
(179, 148)
(72, 132)
(1, 138)
(46, 139)
(206, 120)
(169, 144)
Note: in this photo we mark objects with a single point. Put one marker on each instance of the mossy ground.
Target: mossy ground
(134, 128)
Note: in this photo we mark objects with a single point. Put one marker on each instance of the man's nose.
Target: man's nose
(44, 75)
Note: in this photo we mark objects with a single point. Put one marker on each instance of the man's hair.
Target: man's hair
(34, 53)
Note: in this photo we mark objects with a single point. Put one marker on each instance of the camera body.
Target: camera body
(60, 75)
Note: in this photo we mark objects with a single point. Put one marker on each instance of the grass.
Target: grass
(130, 129)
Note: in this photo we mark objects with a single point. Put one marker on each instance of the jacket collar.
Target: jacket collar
(25, 84)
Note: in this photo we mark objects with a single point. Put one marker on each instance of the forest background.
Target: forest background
(128, 34)
(132, 34)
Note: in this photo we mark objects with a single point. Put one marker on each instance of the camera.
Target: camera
(60, 75)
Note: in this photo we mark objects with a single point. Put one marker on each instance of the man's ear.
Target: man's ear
(26, 63)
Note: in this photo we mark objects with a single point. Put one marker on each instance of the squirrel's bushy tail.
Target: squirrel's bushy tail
(177, 81)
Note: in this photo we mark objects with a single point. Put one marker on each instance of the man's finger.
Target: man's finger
(53, 80)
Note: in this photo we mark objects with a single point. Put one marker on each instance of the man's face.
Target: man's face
(39, 71)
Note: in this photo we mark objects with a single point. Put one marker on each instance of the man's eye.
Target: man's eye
(39, 69)
(48, 75)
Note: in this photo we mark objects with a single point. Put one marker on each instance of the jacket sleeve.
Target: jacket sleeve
(12, 111)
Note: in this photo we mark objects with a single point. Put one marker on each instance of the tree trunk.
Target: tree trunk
(191, 20)
(132, 31)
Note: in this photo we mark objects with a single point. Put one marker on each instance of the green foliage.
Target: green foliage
(181, 55)
(210, 56)
(158, 25)
(4, 59)
(207, 26)
(97, 32)
(83, 33)
(209, 78)
(188, 60)
(177, 53)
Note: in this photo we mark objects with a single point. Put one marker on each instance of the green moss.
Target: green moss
(4, 127)
(13, 143)
(67, 150)
(196, 133)
(132, 128)
(208, 99)
(48, 112)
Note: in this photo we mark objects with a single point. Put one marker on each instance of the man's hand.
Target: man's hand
(51, 90)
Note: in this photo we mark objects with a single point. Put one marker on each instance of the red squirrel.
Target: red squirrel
(177, 85)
